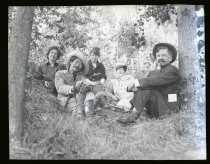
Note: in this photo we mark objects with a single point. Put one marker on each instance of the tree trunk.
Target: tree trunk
(19, 45)
(188, 55)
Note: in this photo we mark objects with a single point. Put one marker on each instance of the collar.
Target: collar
(97, 63)
(165, 66)
(48, 63)
(77, 73)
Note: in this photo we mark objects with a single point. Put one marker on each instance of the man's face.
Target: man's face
(53, 55)
(93, 57)
(163, 57)
(76, 65)
(120, 72)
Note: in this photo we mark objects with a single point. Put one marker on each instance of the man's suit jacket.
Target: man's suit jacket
(163, 85)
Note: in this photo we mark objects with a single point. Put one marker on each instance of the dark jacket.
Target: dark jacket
(47, 73)
(97, 73)
(162, 83)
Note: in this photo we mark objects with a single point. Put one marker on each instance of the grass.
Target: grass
(52, 133)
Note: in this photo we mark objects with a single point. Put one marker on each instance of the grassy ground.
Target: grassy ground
(52, 133)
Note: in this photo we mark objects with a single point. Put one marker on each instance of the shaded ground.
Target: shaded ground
(52, 133)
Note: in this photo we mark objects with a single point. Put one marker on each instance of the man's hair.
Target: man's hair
(164, 47)
(52, 48)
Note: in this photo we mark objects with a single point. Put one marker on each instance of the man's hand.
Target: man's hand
(134, 89)
(130, 86)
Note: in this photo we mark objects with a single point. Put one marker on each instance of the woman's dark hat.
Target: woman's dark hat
(121, 65)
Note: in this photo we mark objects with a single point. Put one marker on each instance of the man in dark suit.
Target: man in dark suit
(158, 91)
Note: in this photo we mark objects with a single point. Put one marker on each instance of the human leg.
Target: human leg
(69, 106)
(89, 106)
(141, 98)
(81, 96)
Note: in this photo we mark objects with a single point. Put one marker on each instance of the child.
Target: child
(119, 87)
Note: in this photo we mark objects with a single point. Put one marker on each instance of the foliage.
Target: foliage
(161, 13)
(77, 20)
(82, 27)
(58, 26)
(51, 133)
(124, 39)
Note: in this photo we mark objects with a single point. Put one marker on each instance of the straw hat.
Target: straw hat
(80, 55)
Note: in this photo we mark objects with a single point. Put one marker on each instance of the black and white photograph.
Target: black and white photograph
(107, 82)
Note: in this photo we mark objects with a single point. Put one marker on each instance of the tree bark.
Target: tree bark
(188, 55)
(19, 45)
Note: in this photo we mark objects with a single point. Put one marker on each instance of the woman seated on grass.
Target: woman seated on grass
(47, 70)
(95, 78)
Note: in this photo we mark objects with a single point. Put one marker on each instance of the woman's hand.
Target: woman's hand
(95, 83)
(49, 84)
(102, 81)
(88, 82)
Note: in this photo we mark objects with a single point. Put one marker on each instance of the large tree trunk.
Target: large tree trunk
(19, 45)
(188, 56)
(190, 71)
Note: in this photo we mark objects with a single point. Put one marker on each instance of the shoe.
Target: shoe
(130, 119)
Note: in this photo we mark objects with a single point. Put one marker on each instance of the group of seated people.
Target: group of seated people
(81, 82)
